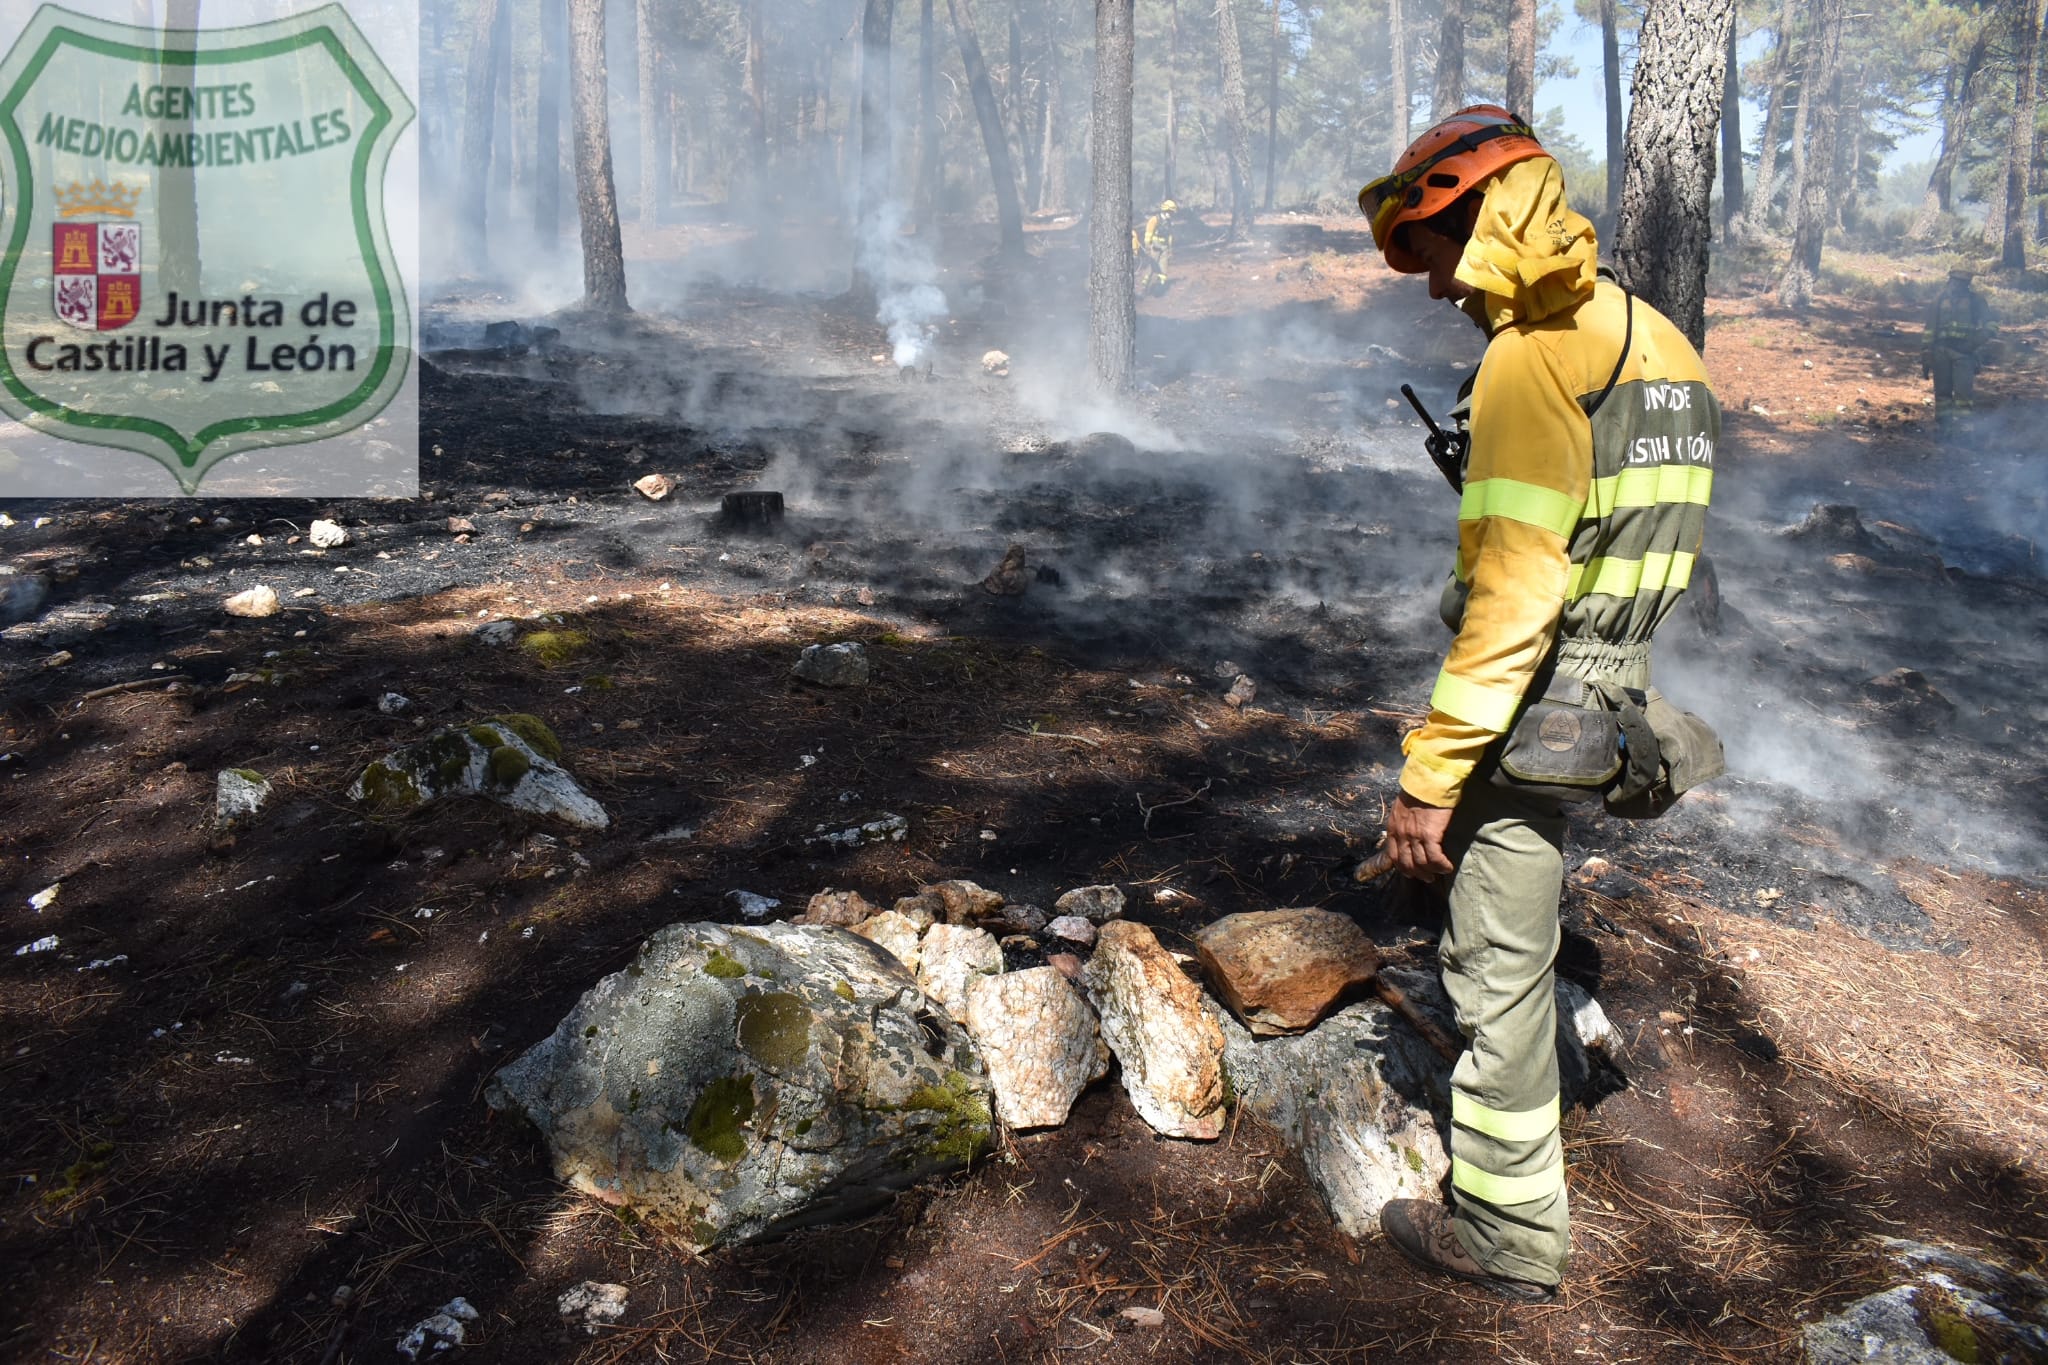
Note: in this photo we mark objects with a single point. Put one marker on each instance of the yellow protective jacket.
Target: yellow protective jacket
(1577, 534)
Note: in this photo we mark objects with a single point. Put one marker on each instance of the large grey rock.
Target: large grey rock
(514, 760)
(950, 958)
(1040, 1039)
(21, 596)
(837, 665)
(734, 1083)
(1955, 1307)
(1155, 1021)
(1365, 1101)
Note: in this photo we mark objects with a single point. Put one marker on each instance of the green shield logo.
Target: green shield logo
(225, 190)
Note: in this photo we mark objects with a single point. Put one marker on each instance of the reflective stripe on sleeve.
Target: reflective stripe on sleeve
(1506, 1189)
(1508, 1125)
(1529, 503)
(1649, 487)
(1628, 577)
(1489, 708)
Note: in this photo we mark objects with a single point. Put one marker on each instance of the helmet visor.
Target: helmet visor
(1382, 200)
(1385, 196)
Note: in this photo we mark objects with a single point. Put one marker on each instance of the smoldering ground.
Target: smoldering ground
(1285, 526)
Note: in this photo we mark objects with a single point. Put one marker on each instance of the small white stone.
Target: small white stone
(256, 602)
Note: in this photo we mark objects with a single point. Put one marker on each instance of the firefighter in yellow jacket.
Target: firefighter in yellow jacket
(1153, 246)
(1592, 434)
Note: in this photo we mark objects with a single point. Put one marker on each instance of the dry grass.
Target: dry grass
(1948, 1045)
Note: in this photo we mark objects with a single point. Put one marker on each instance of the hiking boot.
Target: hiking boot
(1423, 1233)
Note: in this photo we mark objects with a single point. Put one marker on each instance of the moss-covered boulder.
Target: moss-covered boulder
(512, 759)
(734, 1083)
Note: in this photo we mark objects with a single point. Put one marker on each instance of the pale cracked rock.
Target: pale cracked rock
(256, 602)
(1094, 903)
(1041, 1041)
(654, 487)
(327, 535)
(843, 908)
(514, 760)
(896, 932)
(949, 959)
(734, 1083)
(1154, 1020)
(1279, 970)
(953, 902)
(239, 794)
(1363, 1100)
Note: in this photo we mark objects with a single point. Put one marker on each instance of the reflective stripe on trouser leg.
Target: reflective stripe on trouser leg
(1498, 951)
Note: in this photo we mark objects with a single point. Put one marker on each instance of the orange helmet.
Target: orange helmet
(1456, 156)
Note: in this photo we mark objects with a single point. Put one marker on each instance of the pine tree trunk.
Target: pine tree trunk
(1009, 215)
(1731, 140)
(1450, 61)
(754, 82)
(1666, 220)
(1842, 175)
(1021, 107)
(1173, 95)
(1823, 76)
(877, 16)
(1052, 179)
(1273, 110)
(1112, 311)
(502, 148)
(1236, 121)
(1959, 95)
(1802, 138)
(652, 152)
(1397, 80)
(1610, 75)
(2019, 141)
(1521, 91)
(597, 201)
(547, 120)
(177, 196)
(1757, 219)
(928, 171)
(479, 120)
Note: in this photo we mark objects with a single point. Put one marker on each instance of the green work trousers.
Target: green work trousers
(1498, 954)
(1955, 377)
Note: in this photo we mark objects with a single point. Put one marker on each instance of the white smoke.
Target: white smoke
(908, 301)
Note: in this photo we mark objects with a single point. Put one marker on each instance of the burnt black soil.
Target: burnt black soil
(273, 1090)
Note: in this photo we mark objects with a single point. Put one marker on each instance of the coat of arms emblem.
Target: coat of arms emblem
(96, 267)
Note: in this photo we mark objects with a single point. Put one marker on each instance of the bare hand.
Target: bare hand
(1415, 838)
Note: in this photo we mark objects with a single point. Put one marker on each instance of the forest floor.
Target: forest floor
(248, 1073)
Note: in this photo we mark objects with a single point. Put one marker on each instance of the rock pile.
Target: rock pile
(735, 1082)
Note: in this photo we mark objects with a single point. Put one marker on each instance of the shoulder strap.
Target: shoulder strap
(1628, 337)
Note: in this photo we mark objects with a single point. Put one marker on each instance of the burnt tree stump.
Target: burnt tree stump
(757, 509)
